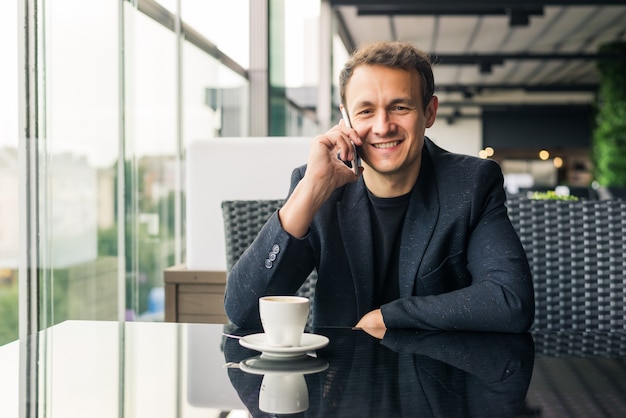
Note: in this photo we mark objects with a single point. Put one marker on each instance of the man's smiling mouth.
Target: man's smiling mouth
(386, 144)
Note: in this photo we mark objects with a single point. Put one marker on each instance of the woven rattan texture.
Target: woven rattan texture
(576, 251)
(580, 344)
(243, 219)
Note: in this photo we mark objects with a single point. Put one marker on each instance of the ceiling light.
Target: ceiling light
(558, 162)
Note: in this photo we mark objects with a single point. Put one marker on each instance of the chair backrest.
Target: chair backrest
(243, 219)
(576, 251)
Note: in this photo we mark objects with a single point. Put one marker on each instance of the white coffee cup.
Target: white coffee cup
(283, 319)
(283, 394)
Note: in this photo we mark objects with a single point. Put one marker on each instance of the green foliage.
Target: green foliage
(609, 145)
(107, 242)
(551, 195)
(9, 313)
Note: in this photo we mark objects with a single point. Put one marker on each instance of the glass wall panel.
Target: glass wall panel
(215, 99)
(225, 24)
(151, 138)
(9, 210)
(339, 56)
(112, 134)
(294, 66)
(78, 232)
(301, 42)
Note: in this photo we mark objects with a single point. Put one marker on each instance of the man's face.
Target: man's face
(385, 108)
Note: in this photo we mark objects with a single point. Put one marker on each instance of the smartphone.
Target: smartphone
(356, 161)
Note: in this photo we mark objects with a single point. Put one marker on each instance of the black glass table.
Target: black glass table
(110, 369)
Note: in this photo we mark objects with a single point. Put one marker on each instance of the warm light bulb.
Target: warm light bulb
(489, 151)
(482, 154)
(558, 162)
(544, 155)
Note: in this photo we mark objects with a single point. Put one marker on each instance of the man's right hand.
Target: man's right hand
(325, 173)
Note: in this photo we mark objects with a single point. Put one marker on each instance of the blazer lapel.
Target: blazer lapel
(419, 225)
(355, 228)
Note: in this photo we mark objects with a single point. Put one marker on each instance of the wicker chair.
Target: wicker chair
(576, 251)
(243, 220)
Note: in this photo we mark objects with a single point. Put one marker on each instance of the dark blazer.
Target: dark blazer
(461, 266)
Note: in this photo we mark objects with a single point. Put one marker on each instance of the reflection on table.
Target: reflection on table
(408, 373)
(110, 369)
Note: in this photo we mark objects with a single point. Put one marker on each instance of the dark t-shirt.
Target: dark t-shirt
(387, 219)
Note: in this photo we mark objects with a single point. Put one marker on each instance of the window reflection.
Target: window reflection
(78, 153)
(109, 174)
(225, 24)
(151, 150)
(9, 210)
(93, 102)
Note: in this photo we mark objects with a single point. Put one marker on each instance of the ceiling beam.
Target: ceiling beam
(344, 33)
(437, 10)
(512, 105)
(553, 88)
(447, 4)
(518, 16)
(492, 59)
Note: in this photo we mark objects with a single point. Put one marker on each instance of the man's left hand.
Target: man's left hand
(372, 323)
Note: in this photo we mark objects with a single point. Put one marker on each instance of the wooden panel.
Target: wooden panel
(179, 274)
(171, 303)
(200, 304)
(194, 296)
(201, 288)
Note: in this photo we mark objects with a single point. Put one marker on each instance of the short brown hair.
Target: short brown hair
(402, 55)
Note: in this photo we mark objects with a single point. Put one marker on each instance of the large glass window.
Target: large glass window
(151, 139)
(119, 101)
(226, 25)
(9, 211)
(78, 227)
(293, 66)
(215, 99)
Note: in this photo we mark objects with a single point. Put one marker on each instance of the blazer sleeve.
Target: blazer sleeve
(276, 263)
(500, 296)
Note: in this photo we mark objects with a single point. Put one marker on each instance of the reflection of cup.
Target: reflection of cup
(283, 319)
(283, 394)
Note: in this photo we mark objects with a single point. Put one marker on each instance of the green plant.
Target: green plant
(8, 313)
(551, 195)
(609, 142)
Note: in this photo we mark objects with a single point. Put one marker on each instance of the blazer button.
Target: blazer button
(268, 263)
(272, 257)
(275, 249)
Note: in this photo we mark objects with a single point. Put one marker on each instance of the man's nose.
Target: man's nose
(383, 124)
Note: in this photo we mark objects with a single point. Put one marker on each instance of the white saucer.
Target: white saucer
(283, 366)
(309, 342)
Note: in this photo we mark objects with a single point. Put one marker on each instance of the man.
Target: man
(420, 240)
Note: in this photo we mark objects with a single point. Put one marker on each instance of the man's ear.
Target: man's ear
(431, 111)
